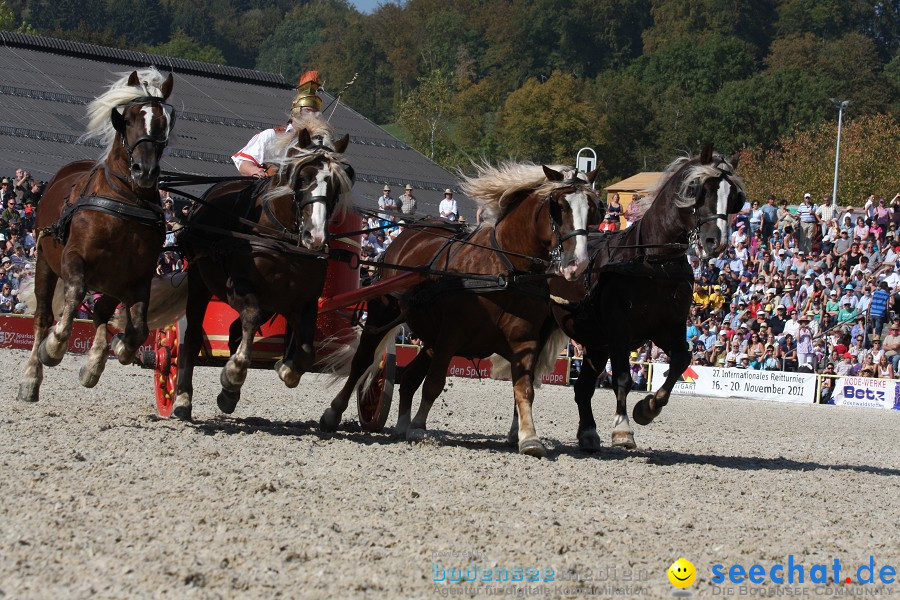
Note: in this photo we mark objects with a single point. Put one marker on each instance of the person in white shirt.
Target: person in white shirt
(251, 159)
(447, 208)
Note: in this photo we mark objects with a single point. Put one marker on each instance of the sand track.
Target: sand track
(102, 499)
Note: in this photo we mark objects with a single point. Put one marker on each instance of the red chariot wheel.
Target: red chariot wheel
(165, 374)
(374, 402)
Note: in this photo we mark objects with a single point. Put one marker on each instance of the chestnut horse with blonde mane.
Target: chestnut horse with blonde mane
(536, 221)
(100, 227)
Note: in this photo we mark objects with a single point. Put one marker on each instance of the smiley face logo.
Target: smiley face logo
(682, 573)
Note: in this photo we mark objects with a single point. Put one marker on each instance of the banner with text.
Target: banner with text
(741, 383)
(866, 393)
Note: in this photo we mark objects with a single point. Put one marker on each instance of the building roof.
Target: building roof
(46, 83)
(636, 183)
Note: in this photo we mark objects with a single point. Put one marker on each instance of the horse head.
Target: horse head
(143, 123)
(572, 205)
(708, 192)
(320, 180)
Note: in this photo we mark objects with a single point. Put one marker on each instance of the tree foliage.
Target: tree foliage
(640, 81)
(804, 162)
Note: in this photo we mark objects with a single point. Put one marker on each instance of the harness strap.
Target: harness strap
(59, 230)
(500, 252)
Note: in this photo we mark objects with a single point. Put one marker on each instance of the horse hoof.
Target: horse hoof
(87, 377)
(227, 400)
(45, 358)
(329, 421)
(287, 374)
(123, 355)
(415, 435)
(182, 409)
(402, 427)
(227, 384)
(182, 413)
(589, 441)
(28, 392)
(639, 414)
(532, 447)
(623, 439)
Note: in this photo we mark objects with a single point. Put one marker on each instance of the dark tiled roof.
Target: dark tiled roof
(45, 84)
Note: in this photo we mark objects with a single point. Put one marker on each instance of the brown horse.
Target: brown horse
(538, 219)
(100, 227)
(271, 266)
(640, 287)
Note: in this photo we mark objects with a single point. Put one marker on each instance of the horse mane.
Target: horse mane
(692, 170)
(290, 158)
(495, 189)
(100, 125)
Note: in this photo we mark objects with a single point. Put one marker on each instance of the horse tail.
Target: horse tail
(501, 369)
(168, 301)
(28, 297)
(337, 364)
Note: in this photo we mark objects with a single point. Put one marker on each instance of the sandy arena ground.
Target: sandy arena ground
(101, 499)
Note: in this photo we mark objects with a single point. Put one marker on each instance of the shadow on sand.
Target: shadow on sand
(351, 431)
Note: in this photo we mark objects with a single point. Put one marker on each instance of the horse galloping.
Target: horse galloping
(101, 227)
(537, 221)
(272, 266)
(640, 287)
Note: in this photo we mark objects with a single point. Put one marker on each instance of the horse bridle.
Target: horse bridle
(694, 189)
(301, 203)
(158, 143)
(555, 213)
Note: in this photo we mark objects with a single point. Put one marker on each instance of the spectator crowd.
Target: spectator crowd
(812, 290)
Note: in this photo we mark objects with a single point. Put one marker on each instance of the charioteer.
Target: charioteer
(251, 159)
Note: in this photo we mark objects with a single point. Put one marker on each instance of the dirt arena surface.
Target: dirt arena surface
(100, 499)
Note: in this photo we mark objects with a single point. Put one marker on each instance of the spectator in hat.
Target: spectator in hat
(806, 354)
(386, 202)
(407, 201)
(846, 366)
(809, 222)
(448, 209)
(251, 159)
(891, 344)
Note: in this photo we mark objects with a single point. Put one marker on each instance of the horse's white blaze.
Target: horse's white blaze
(147, 111)
(580, 208)
(721, 207)
(319, 210)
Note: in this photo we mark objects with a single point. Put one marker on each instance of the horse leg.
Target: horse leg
(44, 286)
(362, 360)
(523, 387)
(192, 340)
(588, 439)
(299, 352)
(53, 348)
(431, 388)
(92, 369)
(126, 344)
(413, 376)
(679, 358)
(235, 370)
(622, 434)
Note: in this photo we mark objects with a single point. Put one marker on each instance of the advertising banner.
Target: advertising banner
(866, 393)
(777, 386)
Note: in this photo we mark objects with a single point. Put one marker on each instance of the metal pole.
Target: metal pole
(841, 105)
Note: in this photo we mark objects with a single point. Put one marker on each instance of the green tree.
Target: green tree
(823, 18)
(425, 113)
(692, 21)
(183, 46)
(548, 122)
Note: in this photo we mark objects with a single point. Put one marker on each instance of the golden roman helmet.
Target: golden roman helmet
(306, 92)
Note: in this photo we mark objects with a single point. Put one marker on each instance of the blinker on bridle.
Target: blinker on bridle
(555, 213)
(158, 142)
